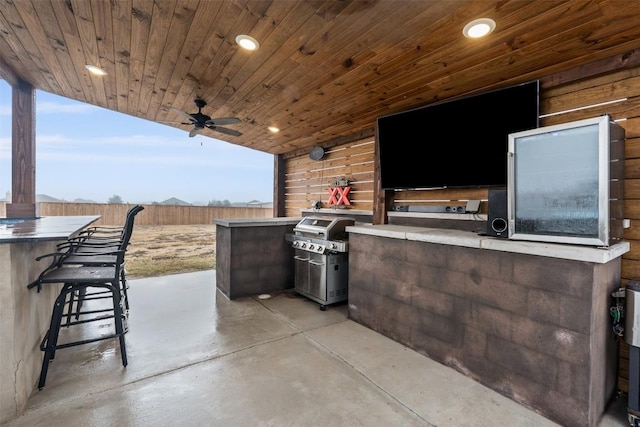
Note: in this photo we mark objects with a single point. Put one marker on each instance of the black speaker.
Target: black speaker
(497, 225)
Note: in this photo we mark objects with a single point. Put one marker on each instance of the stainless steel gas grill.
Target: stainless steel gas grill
(321, 258)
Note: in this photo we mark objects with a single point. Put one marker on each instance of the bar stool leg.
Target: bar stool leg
(59, 310)
(123, 281)
(118, 319)
(82, 292)
(50, 340)
(74, 298)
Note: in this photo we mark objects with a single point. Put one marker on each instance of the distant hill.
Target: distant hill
(175, 201)
(171, 201)
(39, 198)
(45, 198)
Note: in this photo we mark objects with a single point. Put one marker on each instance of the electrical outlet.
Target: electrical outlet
(473, 206)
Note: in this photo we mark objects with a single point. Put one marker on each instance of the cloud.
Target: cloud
(97, 141)
(52, 107)
(5, 148)
(171, 160)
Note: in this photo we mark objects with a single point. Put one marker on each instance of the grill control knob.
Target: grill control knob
(304, 245)
(311, 247)
(333, 246)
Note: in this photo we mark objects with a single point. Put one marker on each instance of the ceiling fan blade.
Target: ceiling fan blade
(195, 131)
(223, 121)
(225, 130)
(182, 113)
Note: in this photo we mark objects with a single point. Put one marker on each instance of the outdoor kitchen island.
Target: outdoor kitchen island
(24, 313)
(252, 256)
(527, 319)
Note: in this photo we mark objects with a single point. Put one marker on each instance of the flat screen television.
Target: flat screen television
(458, 143)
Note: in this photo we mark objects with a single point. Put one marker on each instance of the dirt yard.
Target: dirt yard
(157, 250)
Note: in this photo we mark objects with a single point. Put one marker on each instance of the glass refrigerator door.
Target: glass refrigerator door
(559, 183)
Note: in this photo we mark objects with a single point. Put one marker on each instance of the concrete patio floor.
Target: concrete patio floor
(198, 359)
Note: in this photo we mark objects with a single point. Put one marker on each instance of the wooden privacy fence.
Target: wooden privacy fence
(114, 214)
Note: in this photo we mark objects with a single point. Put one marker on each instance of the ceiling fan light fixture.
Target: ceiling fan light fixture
(247, 42)
(93, 69)
(479, 28)
(201, 121)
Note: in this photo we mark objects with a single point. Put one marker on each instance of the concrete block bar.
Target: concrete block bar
(24, 313)
(529, 320)
(252, 256)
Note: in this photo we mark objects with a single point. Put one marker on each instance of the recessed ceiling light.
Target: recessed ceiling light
(273, 129)
(247, 42)
(479, 28)
(95, 70)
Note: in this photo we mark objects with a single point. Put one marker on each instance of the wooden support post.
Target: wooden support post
(23, 153)
(382, 199)
(278, 186)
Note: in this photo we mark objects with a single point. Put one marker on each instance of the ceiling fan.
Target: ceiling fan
(201, 121)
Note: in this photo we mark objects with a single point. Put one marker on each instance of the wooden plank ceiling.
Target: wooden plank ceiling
(325, 69)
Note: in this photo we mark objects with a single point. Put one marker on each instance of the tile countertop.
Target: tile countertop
(43, 229)
(472, 240)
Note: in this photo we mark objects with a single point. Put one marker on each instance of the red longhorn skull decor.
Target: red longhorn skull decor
(339, 193)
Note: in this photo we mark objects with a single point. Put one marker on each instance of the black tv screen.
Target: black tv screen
(457, 143)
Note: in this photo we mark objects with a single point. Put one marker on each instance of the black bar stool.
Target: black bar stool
(83, 279)
(91, 266)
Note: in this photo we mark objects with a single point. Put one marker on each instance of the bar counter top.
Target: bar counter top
(255, 222)
(14, 230)
(473, 240)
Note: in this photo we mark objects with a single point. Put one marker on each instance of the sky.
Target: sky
(91, 153)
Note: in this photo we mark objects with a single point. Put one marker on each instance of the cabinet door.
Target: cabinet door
(301, 271)
(318, 276)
